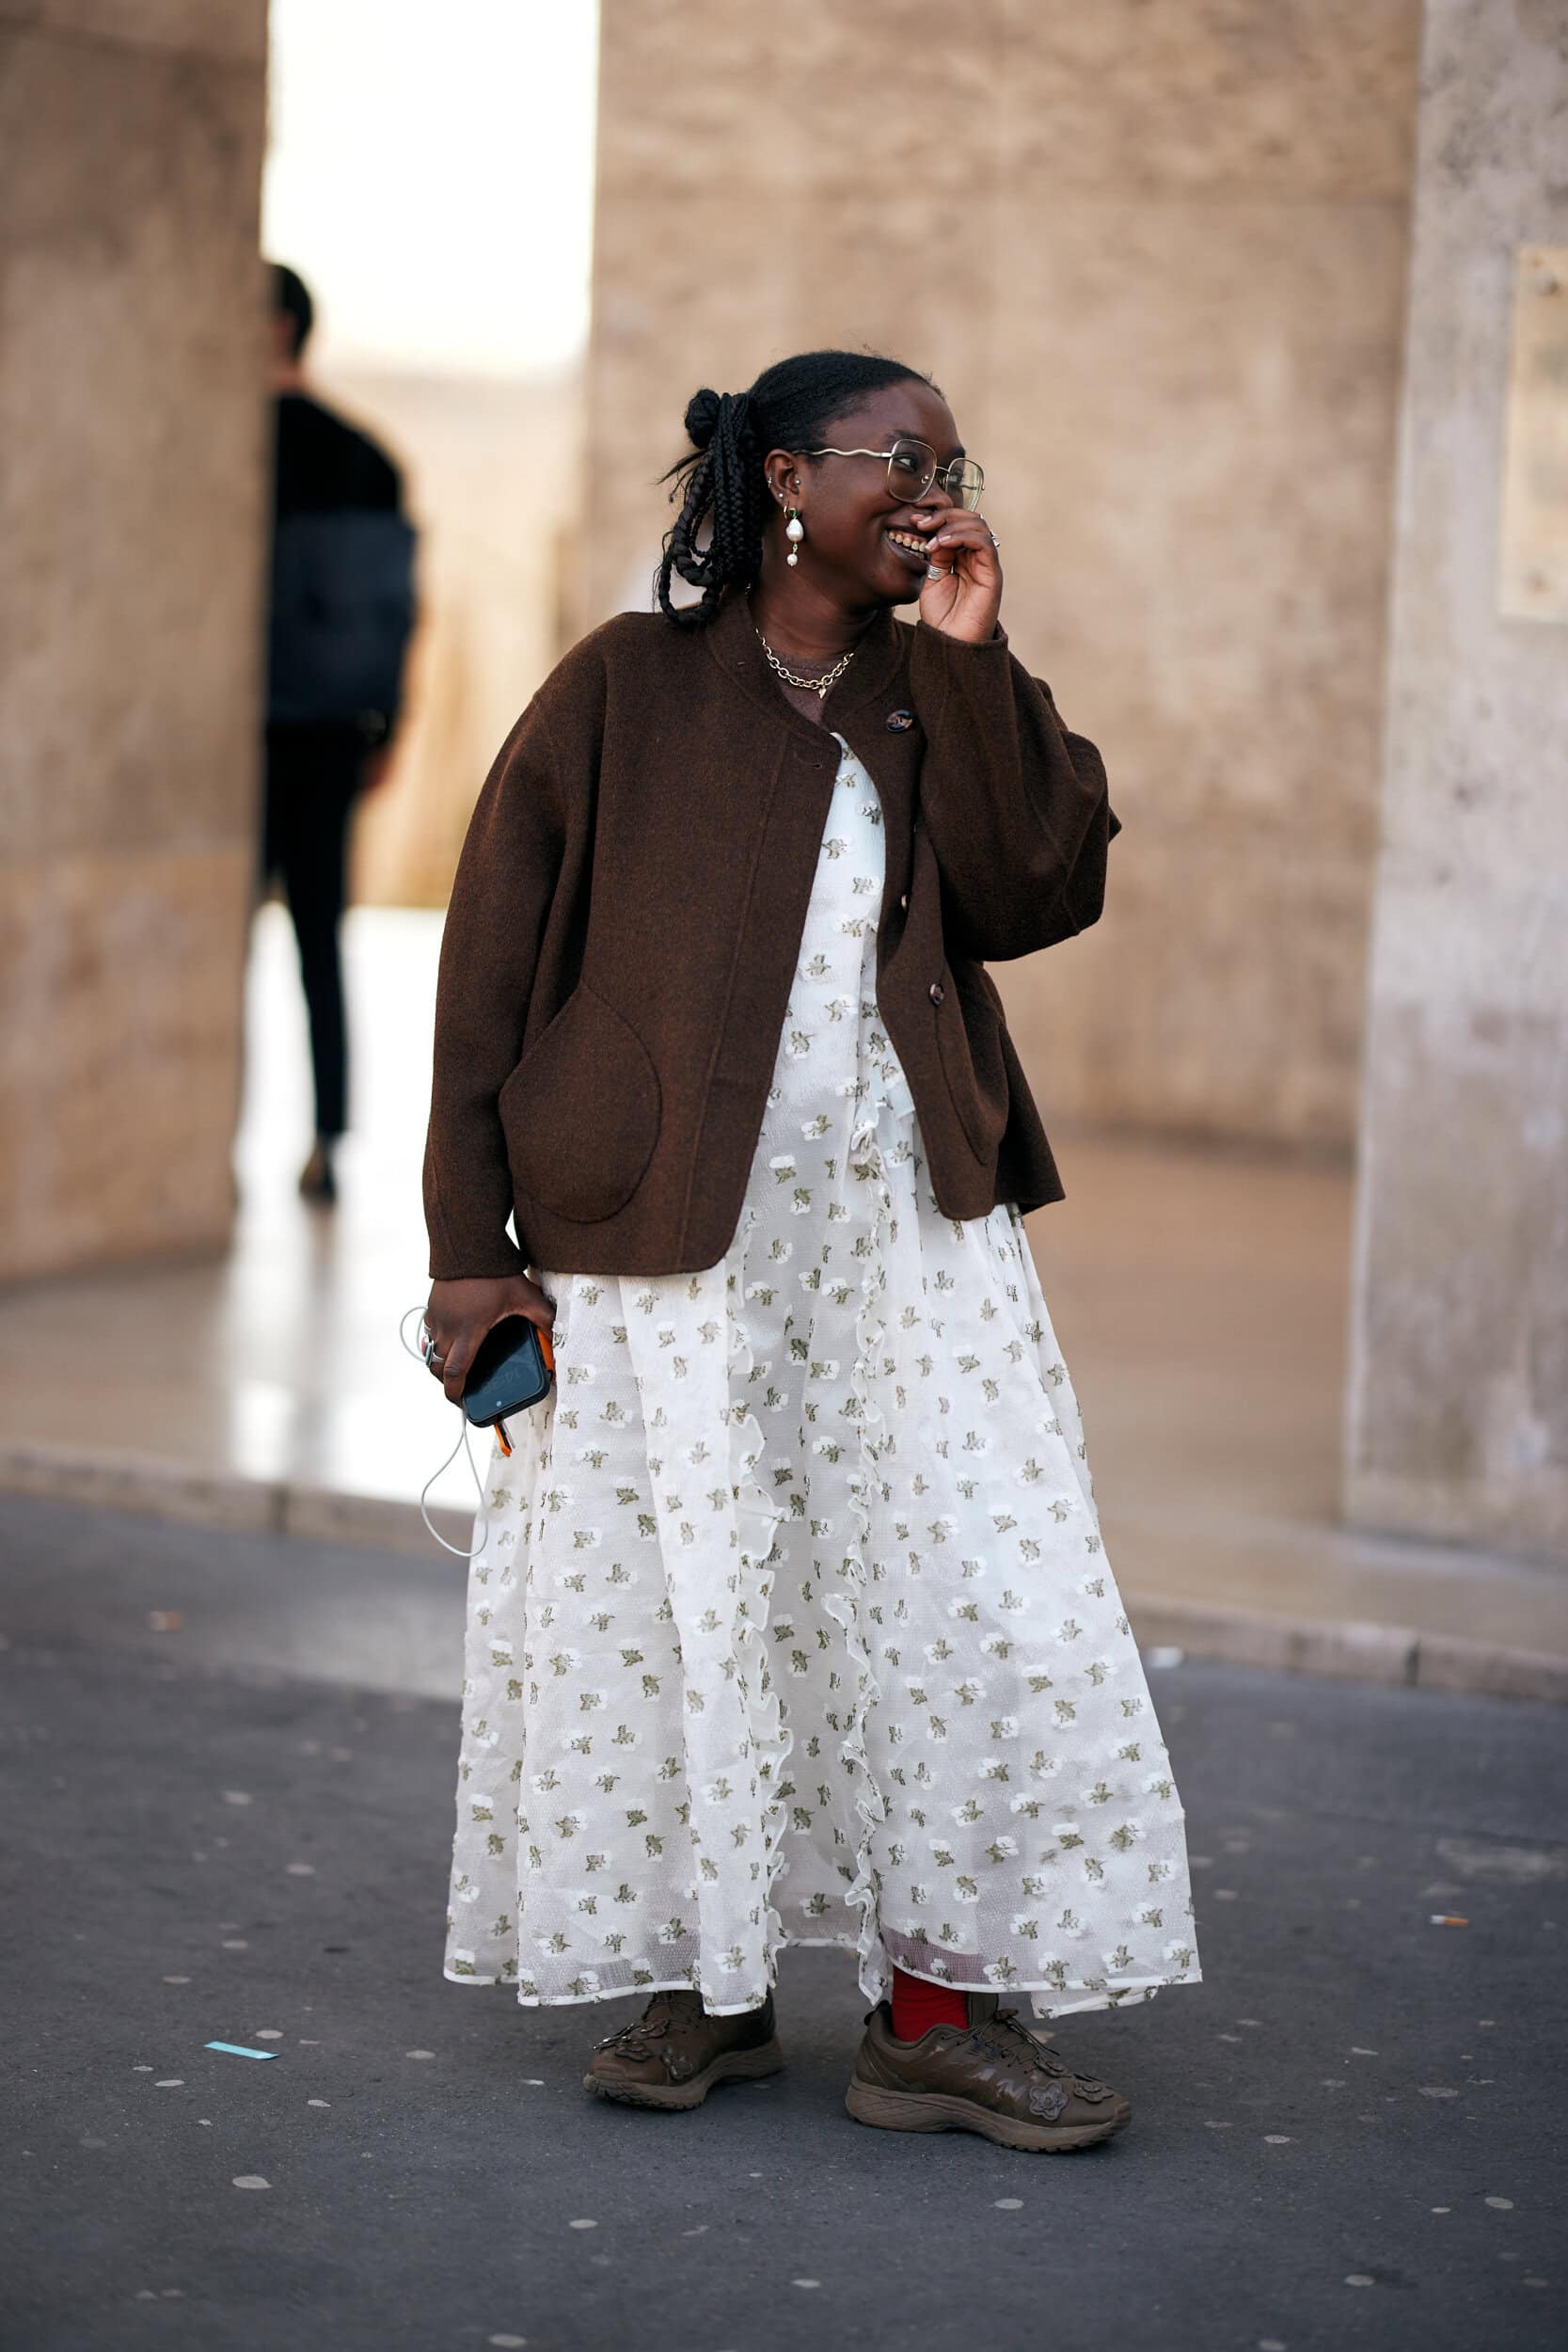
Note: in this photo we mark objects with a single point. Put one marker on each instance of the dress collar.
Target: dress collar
(732, 639)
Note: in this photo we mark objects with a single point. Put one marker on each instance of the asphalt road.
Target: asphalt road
(1352, 2134)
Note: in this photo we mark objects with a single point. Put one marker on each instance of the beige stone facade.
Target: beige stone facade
(1459, 1396)
(131, 419)
(1156, 257)
(492, 471)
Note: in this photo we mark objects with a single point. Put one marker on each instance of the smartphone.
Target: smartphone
(514, 1368)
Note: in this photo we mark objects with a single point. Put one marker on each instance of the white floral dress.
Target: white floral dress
(792, 1623)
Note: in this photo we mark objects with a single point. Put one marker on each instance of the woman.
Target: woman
(792, 1623)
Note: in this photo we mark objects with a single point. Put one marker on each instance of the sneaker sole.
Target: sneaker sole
(938, 2111)
(734, 2066)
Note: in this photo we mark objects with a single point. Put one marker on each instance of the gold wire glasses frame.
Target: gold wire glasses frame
(912, 468)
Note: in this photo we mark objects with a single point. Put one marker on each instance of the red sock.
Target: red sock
(918, 2006)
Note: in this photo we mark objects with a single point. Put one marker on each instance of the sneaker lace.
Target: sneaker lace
(1006, 2035)
(638, 2035)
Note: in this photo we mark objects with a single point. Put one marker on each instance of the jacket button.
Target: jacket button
(900, 721)
(937, 991)
(903, 900)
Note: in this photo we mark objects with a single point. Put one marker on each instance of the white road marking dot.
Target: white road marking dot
(1356, 2051)
(1501, 2204)
(534, 2082)
(1216, 2127)
(1225, 1894)
(1010, 2204)
(1357, 2279)
(206, 2120)
(511, 2342)
(1435, 2091)
(177, 1979)
(1250, 2021)
(169, 2082)
(418, 2054)
(1277, 2140)
(250, 2180)
(582, 2225)
(269, 2033)
(308, 1870)
(141, 2069)
(235, 1796)
(236, 1944)
(805, 2282)
(317, 2103)
(1442, 2209)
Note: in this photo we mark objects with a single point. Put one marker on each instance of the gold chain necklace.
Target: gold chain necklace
(818, 685)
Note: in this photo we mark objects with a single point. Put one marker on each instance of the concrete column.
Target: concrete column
(133, 463)
(1458, 1408)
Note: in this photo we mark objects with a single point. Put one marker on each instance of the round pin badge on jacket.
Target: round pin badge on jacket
(900, 721)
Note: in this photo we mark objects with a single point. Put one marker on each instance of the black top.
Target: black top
(322, 462)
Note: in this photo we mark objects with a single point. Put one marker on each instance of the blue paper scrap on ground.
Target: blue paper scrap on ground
(239, 2050)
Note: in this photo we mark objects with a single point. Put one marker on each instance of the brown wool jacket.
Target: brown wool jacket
(629, 907)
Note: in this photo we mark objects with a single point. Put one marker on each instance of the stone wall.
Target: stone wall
(132, 412)
(1459, 1395)
(492, 471)
(1156, 257)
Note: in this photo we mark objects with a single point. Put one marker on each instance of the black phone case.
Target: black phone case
(508, 1375)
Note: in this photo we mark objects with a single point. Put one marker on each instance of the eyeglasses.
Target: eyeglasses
(912, 470)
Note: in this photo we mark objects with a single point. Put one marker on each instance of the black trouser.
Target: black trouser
(312, 776)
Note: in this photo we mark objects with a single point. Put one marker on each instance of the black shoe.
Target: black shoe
(317, 1181)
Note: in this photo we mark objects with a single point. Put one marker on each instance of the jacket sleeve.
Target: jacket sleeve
(1013, 804)
(500, 901)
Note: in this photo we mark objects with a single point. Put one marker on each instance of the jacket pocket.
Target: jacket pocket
(969, 1034)
(580, 1112)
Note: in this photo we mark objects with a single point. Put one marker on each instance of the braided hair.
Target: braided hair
(720, 484)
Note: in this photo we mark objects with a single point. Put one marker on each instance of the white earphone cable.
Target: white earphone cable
(465, 1443)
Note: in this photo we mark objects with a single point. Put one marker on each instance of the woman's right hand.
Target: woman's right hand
(460, 1313)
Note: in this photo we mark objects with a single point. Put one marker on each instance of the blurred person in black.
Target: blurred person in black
(342, 610)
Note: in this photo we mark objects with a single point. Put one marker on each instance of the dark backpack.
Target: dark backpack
(342, 610)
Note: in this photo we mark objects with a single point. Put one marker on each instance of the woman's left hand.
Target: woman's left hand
(962, 593)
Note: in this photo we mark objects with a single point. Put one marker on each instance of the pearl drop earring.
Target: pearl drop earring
(794, 531)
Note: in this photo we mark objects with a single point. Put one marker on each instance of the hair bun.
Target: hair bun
(708, 414)
(702, 417)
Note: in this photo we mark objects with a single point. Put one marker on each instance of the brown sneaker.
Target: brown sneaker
(990, 2076)
(674, 2054)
